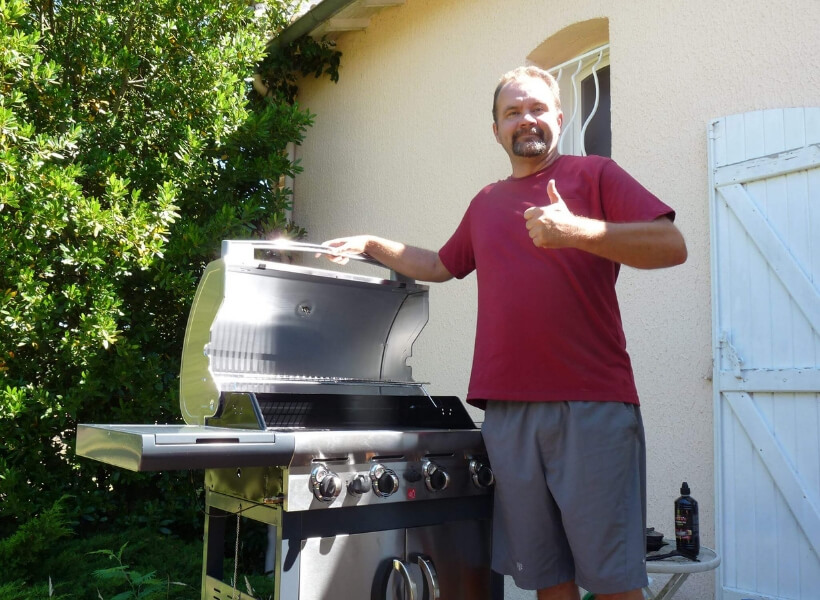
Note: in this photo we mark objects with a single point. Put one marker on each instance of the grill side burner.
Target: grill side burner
(300, 406)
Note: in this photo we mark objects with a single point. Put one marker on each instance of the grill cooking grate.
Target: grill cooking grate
(359, 411)
(287, 413)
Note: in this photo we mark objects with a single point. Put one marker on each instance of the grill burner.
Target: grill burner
(300, 406)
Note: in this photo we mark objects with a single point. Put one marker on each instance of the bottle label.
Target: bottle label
(683, 525)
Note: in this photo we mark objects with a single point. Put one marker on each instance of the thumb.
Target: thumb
(533, 211)
(552, 193)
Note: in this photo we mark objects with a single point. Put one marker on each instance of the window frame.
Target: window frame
(569, 75)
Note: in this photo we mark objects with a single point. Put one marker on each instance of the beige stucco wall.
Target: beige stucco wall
(403, 141)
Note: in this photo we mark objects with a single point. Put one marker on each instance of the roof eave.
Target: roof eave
(310, 21)
(329, 18)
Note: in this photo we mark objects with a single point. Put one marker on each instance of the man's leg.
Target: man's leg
(562, 591)
(599, 484)
(569, 591)
(631, 595)
(529, 541)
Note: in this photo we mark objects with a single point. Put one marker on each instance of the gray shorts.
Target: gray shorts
(570, 493)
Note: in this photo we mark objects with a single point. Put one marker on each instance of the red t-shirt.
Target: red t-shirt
(549, 327)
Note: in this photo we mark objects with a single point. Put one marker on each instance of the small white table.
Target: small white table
(679, 567)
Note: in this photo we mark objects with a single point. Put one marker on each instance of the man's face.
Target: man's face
(528, 122)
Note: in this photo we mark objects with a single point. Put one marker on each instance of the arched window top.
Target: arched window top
(571, 42)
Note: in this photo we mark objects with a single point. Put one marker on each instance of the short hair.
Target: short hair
(522, 72)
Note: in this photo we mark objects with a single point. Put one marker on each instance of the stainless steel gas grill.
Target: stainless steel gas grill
(300, 406)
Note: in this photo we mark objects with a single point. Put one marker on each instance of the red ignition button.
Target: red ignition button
(411, 494)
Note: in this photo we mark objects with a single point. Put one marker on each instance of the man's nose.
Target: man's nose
(527, 118)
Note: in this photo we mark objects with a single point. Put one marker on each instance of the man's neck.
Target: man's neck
(526, 166)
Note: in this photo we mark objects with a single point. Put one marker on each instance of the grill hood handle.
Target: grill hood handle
(243, 250)
(291, 246)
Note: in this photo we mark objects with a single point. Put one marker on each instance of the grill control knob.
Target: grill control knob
(385, 481)
(436, 479)
(359, 485)
(325, 484)
(481, 473)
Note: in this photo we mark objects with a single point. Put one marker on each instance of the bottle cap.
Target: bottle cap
(684, 489)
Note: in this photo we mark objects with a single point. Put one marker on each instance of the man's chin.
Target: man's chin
(530, 148)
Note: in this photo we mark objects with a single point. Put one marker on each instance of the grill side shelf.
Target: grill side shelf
(182, 447)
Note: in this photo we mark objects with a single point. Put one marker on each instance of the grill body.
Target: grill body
(301, 408)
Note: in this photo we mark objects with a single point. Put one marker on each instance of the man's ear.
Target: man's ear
(495, 132)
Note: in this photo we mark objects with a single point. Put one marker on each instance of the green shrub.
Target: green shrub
(76, 568)
(131, 143)
(23, 551)
(20, 590)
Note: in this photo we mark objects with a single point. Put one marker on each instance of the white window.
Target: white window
(585, 100)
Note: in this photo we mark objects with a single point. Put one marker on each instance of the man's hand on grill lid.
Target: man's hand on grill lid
(410, 261)
(344, 247)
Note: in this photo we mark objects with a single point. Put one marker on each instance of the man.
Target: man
(562, 425)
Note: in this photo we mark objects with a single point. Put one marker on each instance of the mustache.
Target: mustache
(534, 130)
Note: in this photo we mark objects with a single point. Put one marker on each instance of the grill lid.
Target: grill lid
(267, 327)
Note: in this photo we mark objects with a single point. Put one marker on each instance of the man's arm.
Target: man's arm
(649, 245)
(410, 261)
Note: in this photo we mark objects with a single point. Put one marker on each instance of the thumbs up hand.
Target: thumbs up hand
(554, 225)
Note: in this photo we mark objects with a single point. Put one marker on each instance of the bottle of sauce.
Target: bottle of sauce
(687, 529)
